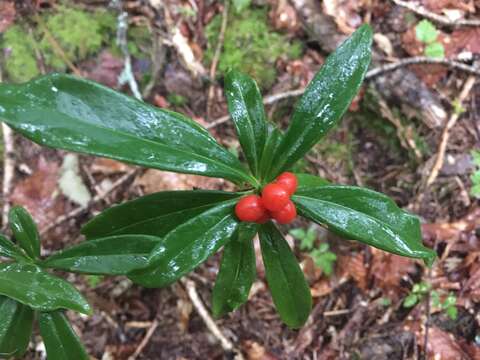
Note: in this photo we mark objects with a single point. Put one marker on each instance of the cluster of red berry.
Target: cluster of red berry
(274, 203)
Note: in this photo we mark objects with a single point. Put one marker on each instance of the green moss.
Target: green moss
(79, 33)
(20, 62)
(250, 46)
(76, 31)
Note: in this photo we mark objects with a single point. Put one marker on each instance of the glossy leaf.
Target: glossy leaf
(188, 245)
(10, 250)
(326, 98)
(65, 112)
(364, 215)
(25, 231)
(273, 141)
(31, 286)
(307, 181)
(154, 214)
(237, 271)
(16, 322)
(290, 291)
(114, 255)
(245, 105)
(61, 342)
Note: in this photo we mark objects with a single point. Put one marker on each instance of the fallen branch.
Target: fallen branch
(226, 344)
(99, 197)
(216, 57)
(145, 340)
(420, 10)
(442, 148)
(454, 64)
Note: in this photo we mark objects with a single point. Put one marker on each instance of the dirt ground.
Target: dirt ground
(407, 124)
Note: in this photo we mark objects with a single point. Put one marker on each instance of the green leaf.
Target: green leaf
(435, 50)
(364, 215)
(246, 109)
(426, 32)
(452, 312)
(188, 245)
(10, 250)
(326, 98)
(237, 271)
(241, 5)
(410, 301)
(307, 181)
(25, 231)
(65, 112)
(61, 342)
(290, 291)
(114, 255)
(31, 286)
(272, 143)
(324, 259)
(16, 322)
(155, 214)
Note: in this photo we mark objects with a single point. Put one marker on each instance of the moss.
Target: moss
(20, 62)
(250, 46)
(79, 33)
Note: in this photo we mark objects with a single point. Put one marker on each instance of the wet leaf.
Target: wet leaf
(25, 231)
(16, 322)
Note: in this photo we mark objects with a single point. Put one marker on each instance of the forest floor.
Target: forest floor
(413, 133)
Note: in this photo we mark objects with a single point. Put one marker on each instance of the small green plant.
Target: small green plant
(426, 32)
(420, 291)
(321, 255)
(156, 239)
(475, 177)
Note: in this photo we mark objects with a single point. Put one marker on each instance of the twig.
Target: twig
(207, 319)
(467, 87)
(454, 64)
(126, 77)
(99, 197)
(216, 57)
(56, 46)
(420, 10)
(422, 60)
(8, 170)
(428, 312)
(145, 340)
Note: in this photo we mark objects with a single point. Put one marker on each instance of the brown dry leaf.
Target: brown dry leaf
(284, 17)
(105, 70)
(7, 14)
(440, 6)
(108, 166)
(462, 40)
(352, 266)
(345, 13)
(443, 346)
(388, 269)
(429, 74)
(255, 351)
(39, 193)
(156, 180)
(321, 288)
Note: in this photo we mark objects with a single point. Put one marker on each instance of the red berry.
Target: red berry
(263, 219)
(286, 215)
(250, 208)
(275, 197)
(289, 181)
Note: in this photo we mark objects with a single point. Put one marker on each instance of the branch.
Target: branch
(8, 170)
(420, 10)
(442, 148)
(373, 73)
(207, 319)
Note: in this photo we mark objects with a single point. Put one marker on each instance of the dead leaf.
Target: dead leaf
(108, 166)
(345, 13)
(443, 346)
(106, 69)
(440, 6)
(7, 14)
(461, 41)
(353, 266)
(284, 17)
(255, 351)
(156, 180)
(39, 193)
(387, 271)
